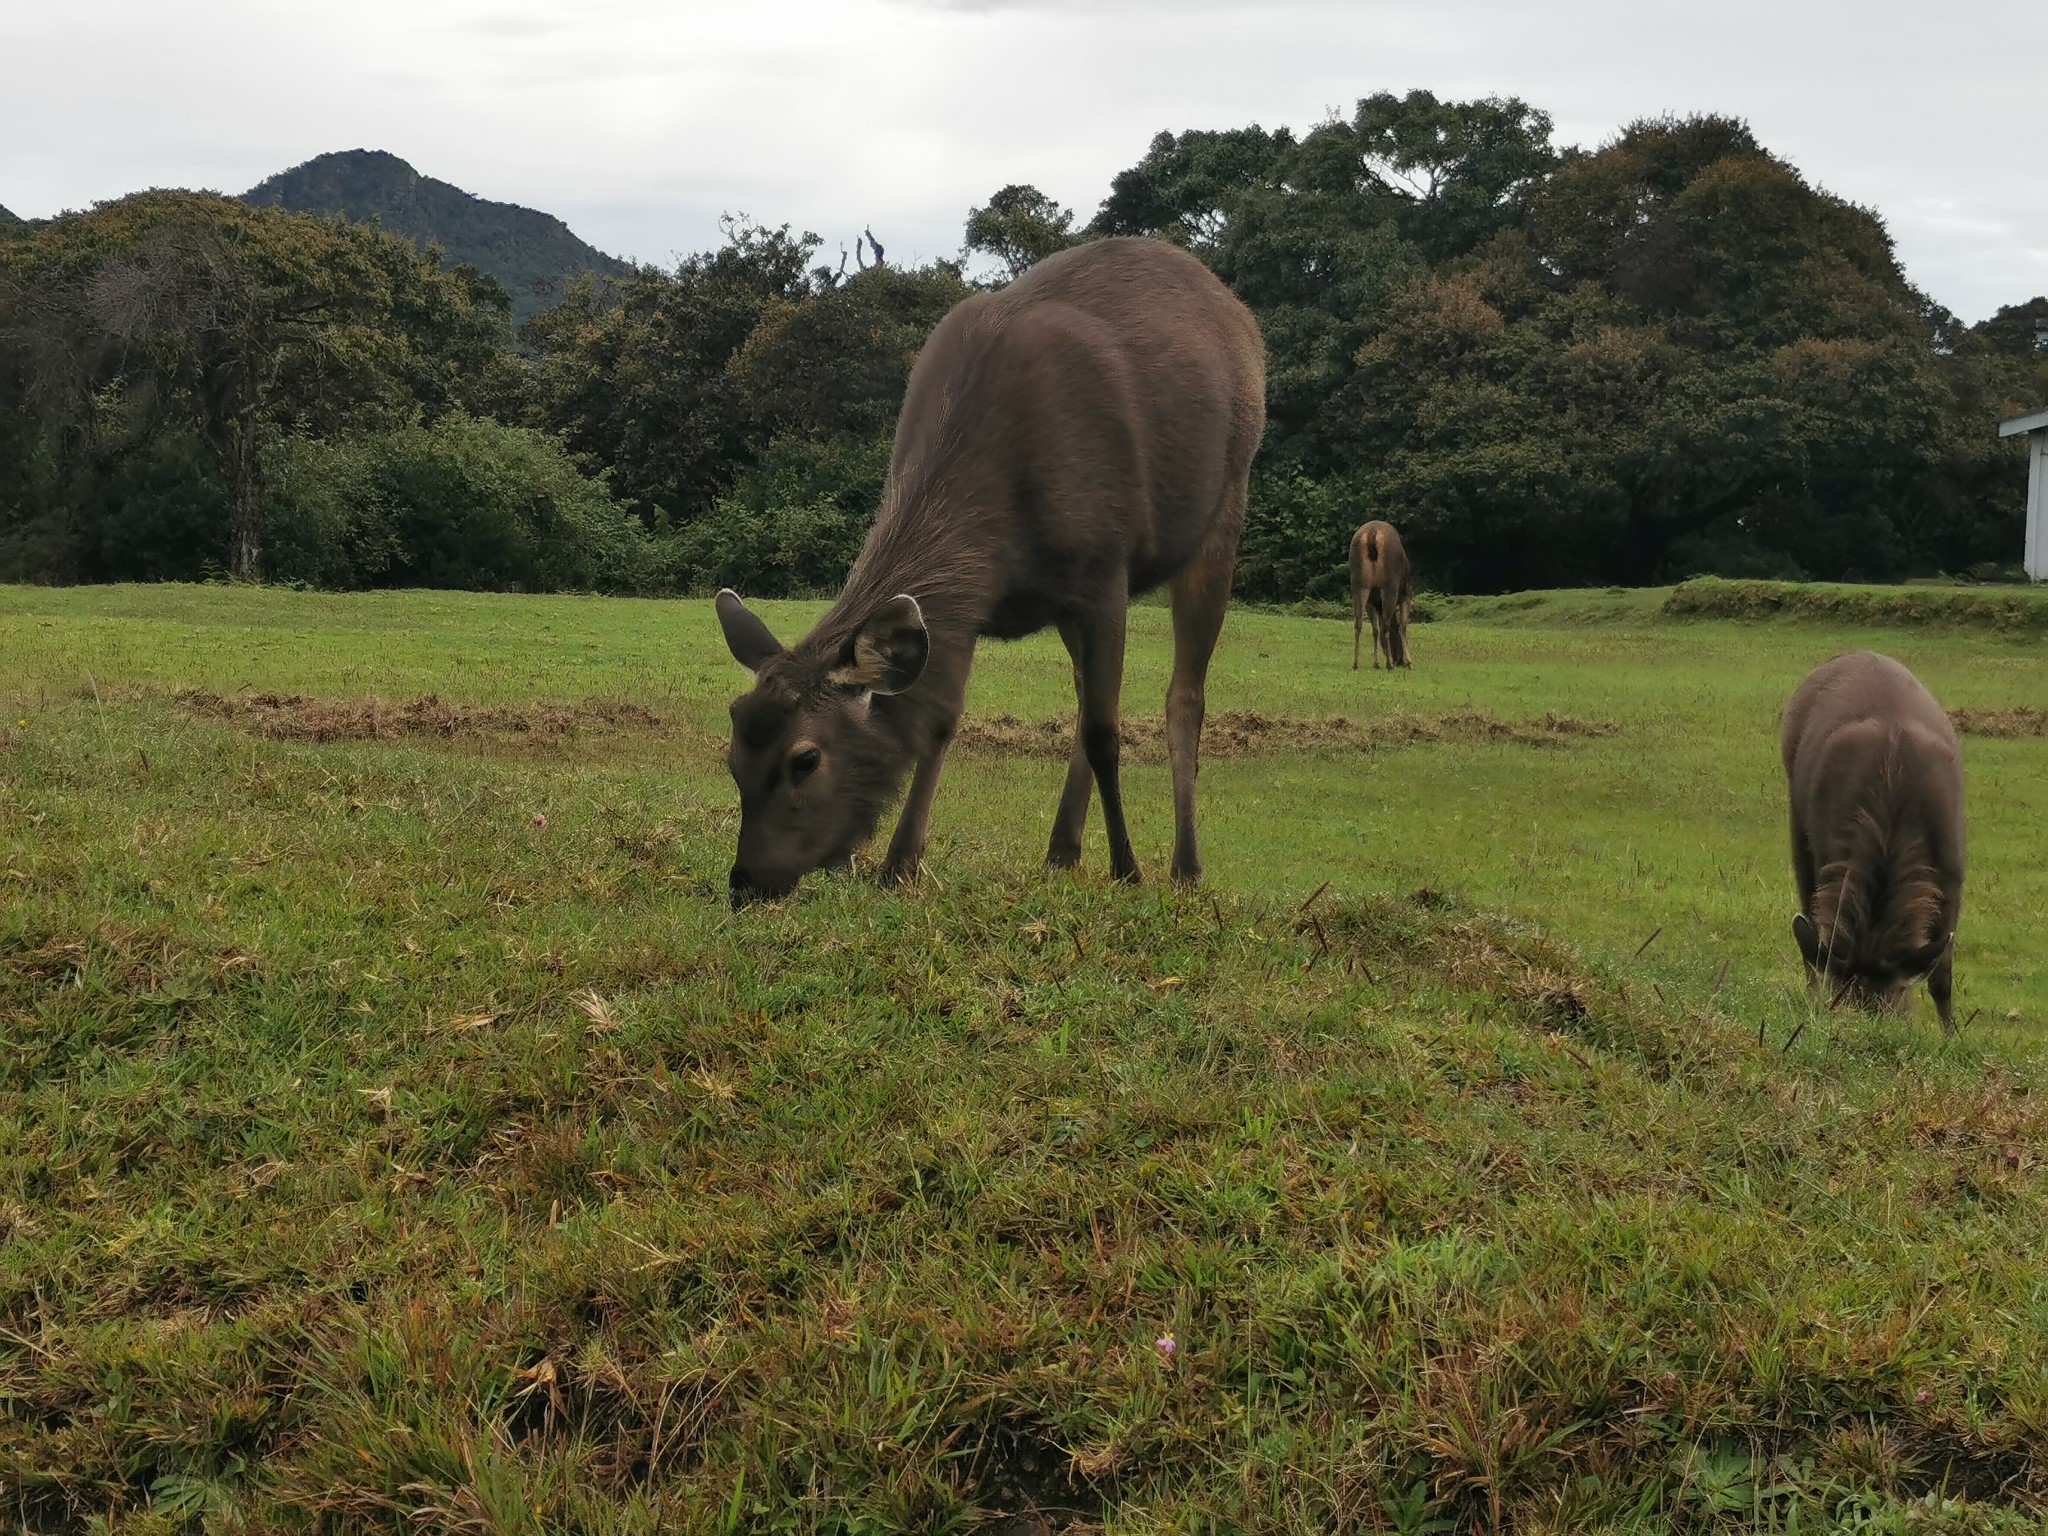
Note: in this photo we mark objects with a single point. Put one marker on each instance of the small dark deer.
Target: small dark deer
(1080, 436)
(1876, 781)
(1380, 592)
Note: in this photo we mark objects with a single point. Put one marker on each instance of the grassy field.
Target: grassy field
(397, 1131)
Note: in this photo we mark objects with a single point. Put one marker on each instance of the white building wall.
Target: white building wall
(2037, 506)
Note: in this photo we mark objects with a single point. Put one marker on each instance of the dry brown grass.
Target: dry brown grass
(2020, 720)
(295, 717)
(1245, 733)
(550, 727)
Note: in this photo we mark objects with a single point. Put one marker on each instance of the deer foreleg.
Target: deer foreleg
(906, 848)
(1357, 618)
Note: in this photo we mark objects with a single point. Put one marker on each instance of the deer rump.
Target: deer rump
(1380, 593)
(1065, 443)
(1875, 777)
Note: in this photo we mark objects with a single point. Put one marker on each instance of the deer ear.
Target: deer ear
(887, 654)
(1808, 940)
(745, 635)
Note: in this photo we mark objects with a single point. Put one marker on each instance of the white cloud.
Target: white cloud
(640, 121)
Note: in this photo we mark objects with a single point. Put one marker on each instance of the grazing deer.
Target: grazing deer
(1080, 436)
(1380, 591)
(1876, 781)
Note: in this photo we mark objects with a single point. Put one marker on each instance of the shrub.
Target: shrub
(1297, 539)
(1731, 553)
(793, 524)
(465, 503)
(2022, 612)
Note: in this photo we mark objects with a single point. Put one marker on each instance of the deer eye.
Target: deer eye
(804, 763)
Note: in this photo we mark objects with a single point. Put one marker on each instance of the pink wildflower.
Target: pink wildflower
(1168, 1346)
(540, 821)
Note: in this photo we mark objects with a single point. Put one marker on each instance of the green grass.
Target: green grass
(373, 1156)
(2015, 610)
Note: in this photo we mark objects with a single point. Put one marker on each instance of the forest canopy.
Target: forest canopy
(1549, 366)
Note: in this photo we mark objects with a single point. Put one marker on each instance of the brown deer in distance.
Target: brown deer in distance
(1380, 592)
(1876, 782)
(1080, 436)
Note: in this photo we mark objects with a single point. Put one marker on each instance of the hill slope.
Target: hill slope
(521, 247)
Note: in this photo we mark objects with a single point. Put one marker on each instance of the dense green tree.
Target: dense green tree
(1190, 186)
(1530, 434)
(1671, 354)
(2005, 358)
(1458, 171)
(1695, 224)
(838, 359)
(1018, 226)
(744, 402)
(822, 378)
(637, 374)
(1312, 248)
(1319, 234)
(2018, 330)
(173, 312)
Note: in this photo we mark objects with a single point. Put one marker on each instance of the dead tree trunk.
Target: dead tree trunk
(245, 515)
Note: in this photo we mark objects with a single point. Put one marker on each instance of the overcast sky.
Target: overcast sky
(640, 121)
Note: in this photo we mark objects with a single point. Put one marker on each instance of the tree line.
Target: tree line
(1666, 356)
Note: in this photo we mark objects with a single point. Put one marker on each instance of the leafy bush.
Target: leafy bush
(2021, 612)
(1732, 554)
(158, 513)
(464, 503)
(792, 525)
(327, 523)
(1297, 539)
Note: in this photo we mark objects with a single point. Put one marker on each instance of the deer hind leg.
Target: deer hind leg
(1941, 987)
(1201, 595)
(1357, 617)
(1071, 820)
(1398, 631)
(1378, 611)
(1102, 681)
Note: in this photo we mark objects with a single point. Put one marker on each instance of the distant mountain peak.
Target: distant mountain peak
(530, 252)
(378, 157)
